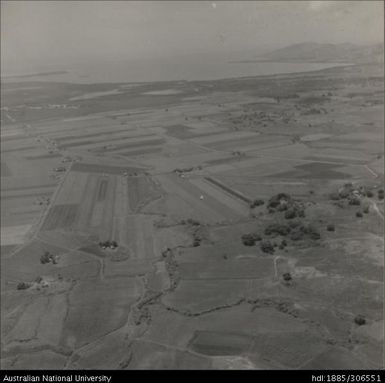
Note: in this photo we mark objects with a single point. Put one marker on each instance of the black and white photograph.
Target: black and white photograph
(192, 185)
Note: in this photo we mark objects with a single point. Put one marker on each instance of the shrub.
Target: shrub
(380, 194)
(360, 320)
(369, 193)
(365, 210)
(301, 213)
(282, 207)
(45, 258)
(287, 277)
(197, 242)
(257, 202)
(346, 190)
(278, 199)
(302, 231)
(277, 229)
(359, 214)
(23, 286)
(334, 196)
(296, 236)
(291, 213)
(267, 247)
(294, 224)
(110, 244)
(330, 227)
(354, 201)
(193, 222)
(311, 232)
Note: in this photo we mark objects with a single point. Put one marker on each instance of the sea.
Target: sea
(192, 68)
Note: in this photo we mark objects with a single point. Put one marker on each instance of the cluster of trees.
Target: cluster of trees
(296, 230)
(108, 244)
(301, 231)
(47, 257)
(267, 246)
(197, 237)
(284, 202)
(23, 286)
(250, 239)
(352, 194)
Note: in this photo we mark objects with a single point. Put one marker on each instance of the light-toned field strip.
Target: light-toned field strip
(72, 189)
(103, 134)
(13, 235)
(87, 202)
(106, 228)
(11, 134)
(139, 141)
(61, 131)
(27, 196)
(140, 232)
(190, 199)
(293, 159)
(120, 209)
(223, 137)
(215, 203)
(106, 138)
(249, 181)
(220, 195)
(248, 144)
(141, 151)
(26, 192)
(97, 214)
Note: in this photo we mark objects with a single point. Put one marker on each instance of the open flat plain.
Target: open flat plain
(171, 171)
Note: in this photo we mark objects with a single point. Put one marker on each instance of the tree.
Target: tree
(360, 320)
(23, 286)
(290, 214)
(277, 229)
(287, 277)
(267, 247)
(250, 239)
(257, 202)
(47, 257)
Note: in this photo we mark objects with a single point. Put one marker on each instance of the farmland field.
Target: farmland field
(199, 225)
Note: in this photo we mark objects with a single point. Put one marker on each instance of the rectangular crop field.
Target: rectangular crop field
(244, 268)
(61, 217)
(99, 168)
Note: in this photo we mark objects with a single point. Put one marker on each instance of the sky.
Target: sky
(64, 31)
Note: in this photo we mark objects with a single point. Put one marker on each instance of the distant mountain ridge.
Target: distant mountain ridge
(318, 52)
